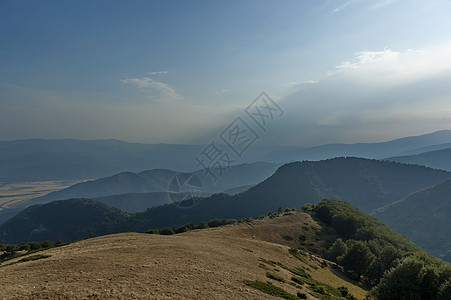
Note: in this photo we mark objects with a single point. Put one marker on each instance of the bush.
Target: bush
(307, 207)
(221, 222)
(181, 229)
(167, 231)
(301, 295)
(288, 237)
(298, 280)
(274, 277)
(343, 291)
(47, 244)
(202, 225)
(270, 289)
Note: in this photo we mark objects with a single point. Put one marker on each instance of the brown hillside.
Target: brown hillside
(201, 264)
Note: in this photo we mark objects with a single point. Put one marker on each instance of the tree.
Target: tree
(357, 259)
(307, 207)
(345, 225)
(337, 250)
(411, 279)
(385, 260)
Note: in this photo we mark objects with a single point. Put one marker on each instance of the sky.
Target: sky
(182, 71)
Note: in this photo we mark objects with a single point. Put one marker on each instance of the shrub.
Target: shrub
(298, 280)
(166, 231)
(270, 289)
(288, 237)
(343, 291)
(302, 238)
(307, 207)
(202, 225)
(274, 277)
(221, 222)
(302, 295)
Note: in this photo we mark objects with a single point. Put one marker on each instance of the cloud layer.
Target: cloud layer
(376, 96)
(153, 89)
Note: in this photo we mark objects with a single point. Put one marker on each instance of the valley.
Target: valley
(12, 194)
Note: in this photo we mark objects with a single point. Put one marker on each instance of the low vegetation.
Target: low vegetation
(28, 258)
(16, 250)
(373, 253)
(192, 226)
(269, 288)
(300, 277)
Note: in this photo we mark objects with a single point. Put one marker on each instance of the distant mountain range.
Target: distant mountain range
(68, 159)
(157, 180)
(403, 146)
(134, 192)
(367, 184)
(439, 159)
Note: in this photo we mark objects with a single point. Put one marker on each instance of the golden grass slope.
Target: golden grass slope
(200, 264)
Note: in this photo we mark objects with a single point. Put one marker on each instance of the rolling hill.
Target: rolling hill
(122, 183)
(151, 185)
(70, 159)
(438, 159)
(367, 184)
(65, 220)
(424, 217)
(380, 150)
(281, 256)
(157, 180)
(135, 202)
(202, 264)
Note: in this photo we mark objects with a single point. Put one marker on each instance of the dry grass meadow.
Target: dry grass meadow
(200, 264)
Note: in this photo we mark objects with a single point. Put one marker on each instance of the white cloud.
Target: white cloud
(301, 83)
(341, 7)
(396, 67)
(222, 92)
(153, 89)
(158, 72)
(380, 4)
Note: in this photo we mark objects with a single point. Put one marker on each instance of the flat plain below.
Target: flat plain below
(13, 194)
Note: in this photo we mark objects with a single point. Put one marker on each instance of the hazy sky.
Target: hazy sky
(181, 71)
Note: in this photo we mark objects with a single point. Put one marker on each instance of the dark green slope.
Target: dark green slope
(425, 217)
(135, 202)
(367, 184)
(64, 220)
(371, 252)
